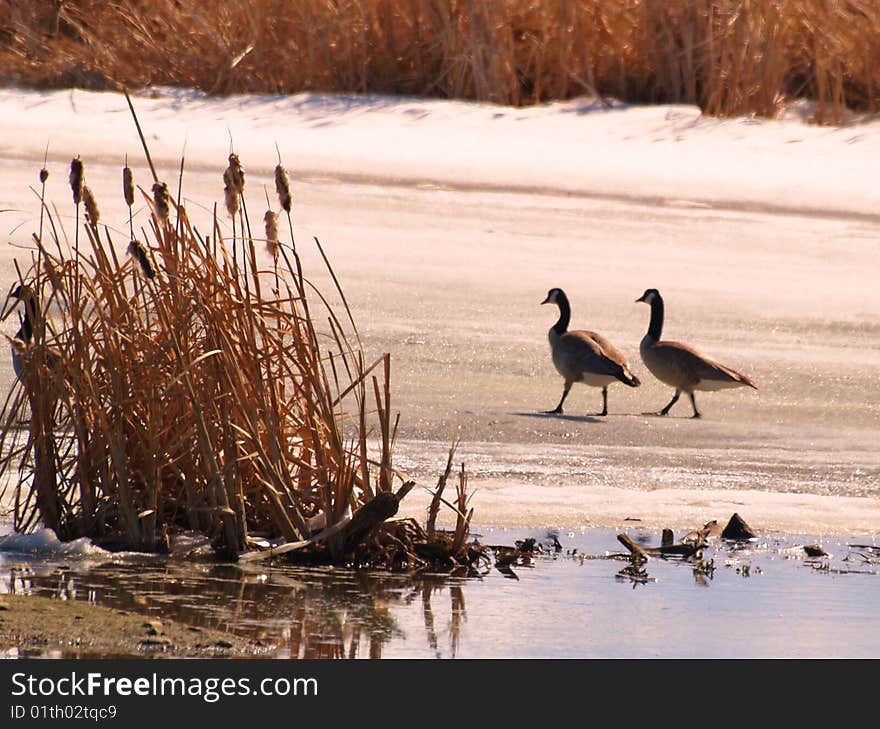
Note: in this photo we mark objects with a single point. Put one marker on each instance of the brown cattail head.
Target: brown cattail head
(282, 187)
(76, 179)
(230, 194)
(44, 175)
(128, 185)
(272, 233)
(92, 214)
(236, 174)
(136, 251)
(160, 198)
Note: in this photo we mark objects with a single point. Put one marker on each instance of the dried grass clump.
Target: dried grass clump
(177, 389)
(730, 57)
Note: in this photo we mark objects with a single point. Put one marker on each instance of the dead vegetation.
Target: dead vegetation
(691, 544)
(191, 385)
(731, 57)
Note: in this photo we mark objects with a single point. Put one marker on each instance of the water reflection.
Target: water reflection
(298, 612)
(337, 613)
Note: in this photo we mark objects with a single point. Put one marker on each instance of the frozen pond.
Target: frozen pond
(448, 278)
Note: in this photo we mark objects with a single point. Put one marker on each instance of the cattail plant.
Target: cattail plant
(139, 254)
(272, 244)
(160, 199)
(282, 188)
(233, 190)
(77, 177)
(230, 196)
(128, 194)
(91, 206)
(235, 174)
(233, 181)
(44, 176)
(128, 185)
(204, 404)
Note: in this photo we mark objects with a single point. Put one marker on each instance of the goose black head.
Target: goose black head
(554, 296)
(16, 293)
(649, 296)
(22, 293)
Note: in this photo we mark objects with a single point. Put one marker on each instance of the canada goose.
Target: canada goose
(22, 341)
(583, 356)
(680, 365)
(25, 333)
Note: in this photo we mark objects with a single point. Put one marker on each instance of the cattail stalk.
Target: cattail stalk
(77, 175)
(44, 175)
(233, 179)
(128, 193)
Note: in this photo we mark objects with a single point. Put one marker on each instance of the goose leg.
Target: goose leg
(697, 413)
(558, 410)
(665, 411)
(604, 401)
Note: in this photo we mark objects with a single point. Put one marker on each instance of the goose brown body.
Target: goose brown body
(680, 365)
(584, 356)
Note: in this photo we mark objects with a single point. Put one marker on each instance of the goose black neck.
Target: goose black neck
(26, 330)
(561, 326)
(655, 328)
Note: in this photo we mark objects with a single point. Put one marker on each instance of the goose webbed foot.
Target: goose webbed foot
(557, 411)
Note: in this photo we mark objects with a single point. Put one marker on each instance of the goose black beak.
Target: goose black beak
(640, 300)
(546, 301)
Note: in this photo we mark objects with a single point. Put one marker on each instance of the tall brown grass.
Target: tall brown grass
(186, 381)
(730, 57)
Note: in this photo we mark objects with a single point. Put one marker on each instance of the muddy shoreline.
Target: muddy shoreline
(36, 626)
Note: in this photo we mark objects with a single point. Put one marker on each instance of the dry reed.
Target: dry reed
(185, 397)
(727, 56)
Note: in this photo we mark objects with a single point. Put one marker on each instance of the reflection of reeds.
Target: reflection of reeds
(728, 56)
(299, 612)
(193, 401)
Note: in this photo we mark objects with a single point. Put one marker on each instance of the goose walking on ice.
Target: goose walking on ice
(680, 365)
(584, 356)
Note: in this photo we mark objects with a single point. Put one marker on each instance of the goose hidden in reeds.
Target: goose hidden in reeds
(21, 344)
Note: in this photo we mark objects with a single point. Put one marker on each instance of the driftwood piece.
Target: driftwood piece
(627, 541)
(665, 550)
(258, 556)
(365, 520)
(738, 530)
